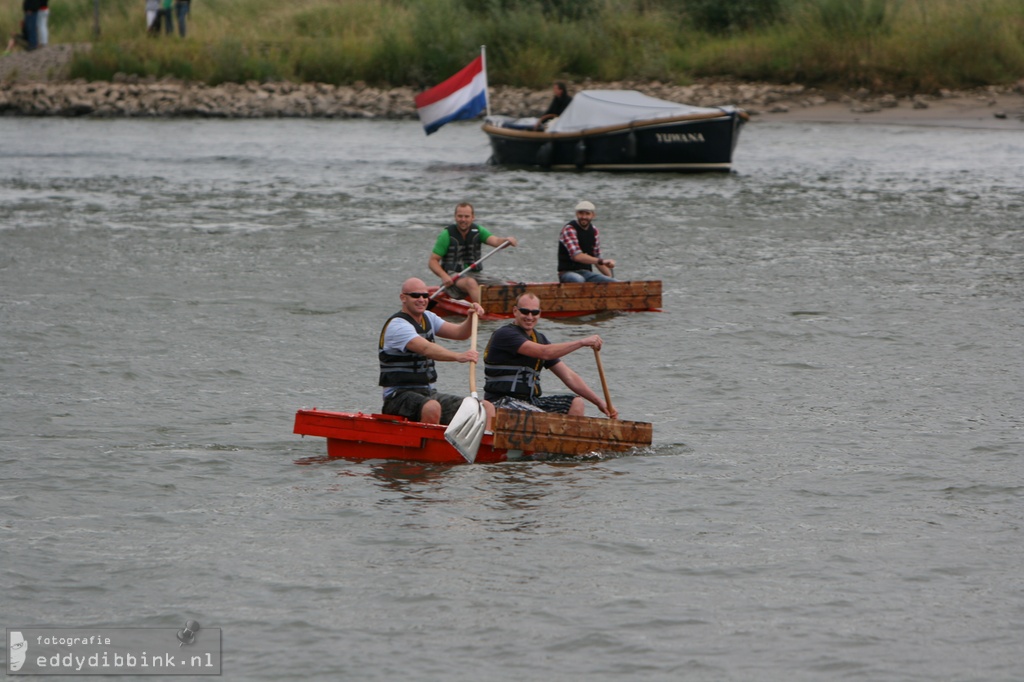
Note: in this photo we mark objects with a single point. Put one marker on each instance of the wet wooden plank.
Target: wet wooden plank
(572, 297)
(602, 304)
(566, 435)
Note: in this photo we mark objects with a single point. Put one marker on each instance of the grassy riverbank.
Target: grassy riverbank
(895, 45)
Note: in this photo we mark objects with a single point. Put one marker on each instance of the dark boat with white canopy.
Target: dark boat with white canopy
(620, 130)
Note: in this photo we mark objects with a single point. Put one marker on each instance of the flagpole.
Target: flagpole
(487, 95)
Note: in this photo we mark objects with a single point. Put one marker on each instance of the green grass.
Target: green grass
(901, 45)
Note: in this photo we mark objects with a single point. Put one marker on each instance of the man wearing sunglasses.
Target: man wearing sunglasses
(515, 356)
(579, 249)
(407, 353)
(457, 247)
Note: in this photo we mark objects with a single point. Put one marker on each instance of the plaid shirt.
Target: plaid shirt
(568, 237)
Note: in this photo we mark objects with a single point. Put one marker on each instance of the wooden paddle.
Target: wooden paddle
(604, 382)
(466, 429)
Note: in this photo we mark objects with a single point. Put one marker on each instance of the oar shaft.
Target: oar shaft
(472, 265)
(472, 365)
(482, 258)
(604, 382)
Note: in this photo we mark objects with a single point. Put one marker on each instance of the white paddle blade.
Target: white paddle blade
(466, 429)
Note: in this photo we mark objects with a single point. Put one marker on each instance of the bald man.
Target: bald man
(407, 353)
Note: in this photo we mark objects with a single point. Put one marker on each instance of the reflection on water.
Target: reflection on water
(406, 476)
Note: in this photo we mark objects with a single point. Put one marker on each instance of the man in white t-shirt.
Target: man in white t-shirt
(407, 352)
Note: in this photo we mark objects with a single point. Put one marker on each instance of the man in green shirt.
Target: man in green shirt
(457, 247)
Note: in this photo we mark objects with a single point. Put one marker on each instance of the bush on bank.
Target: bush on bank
(902, 45)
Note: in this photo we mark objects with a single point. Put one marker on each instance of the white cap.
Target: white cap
(585, 206)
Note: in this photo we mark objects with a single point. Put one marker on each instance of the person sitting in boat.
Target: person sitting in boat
(558, 104)
(515, 355)
(579, 249)
(458, 247)
(407, 353)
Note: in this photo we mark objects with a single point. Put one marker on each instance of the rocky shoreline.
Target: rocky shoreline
(31, 84)
(129, 97)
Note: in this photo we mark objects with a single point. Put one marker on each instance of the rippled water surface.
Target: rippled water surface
(835, 490)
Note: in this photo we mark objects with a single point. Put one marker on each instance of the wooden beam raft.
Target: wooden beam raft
(566, 435)
(561, 300)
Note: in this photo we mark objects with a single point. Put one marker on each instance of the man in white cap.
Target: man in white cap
(579, 249)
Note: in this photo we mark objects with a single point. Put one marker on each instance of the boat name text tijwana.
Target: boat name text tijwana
(678, 137)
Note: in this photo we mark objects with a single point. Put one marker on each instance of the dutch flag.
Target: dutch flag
(461, 97)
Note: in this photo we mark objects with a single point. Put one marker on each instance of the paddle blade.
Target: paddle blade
(466, 429)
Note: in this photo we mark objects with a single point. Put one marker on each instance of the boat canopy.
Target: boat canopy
(600, 108)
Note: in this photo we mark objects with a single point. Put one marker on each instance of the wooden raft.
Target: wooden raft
(583, 297)
(565, 435)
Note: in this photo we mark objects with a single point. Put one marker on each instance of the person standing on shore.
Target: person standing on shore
(181, 8)
(579, 249)
(164, 16)
(152, 7)
(42, 24)
(31, 30)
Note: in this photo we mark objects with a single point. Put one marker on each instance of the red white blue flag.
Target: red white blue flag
(463, 96)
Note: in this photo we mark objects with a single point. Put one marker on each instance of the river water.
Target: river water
(835, 491)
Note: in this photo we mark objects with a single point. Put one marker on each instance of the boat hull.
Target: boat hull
(689, 145)
(516, 435)
(354, 435)
(561, 300)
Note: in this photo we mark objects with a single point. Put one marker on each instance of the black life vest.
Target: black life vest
(462, 252)
(587, 239)
(513, 374)
(405, 368)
